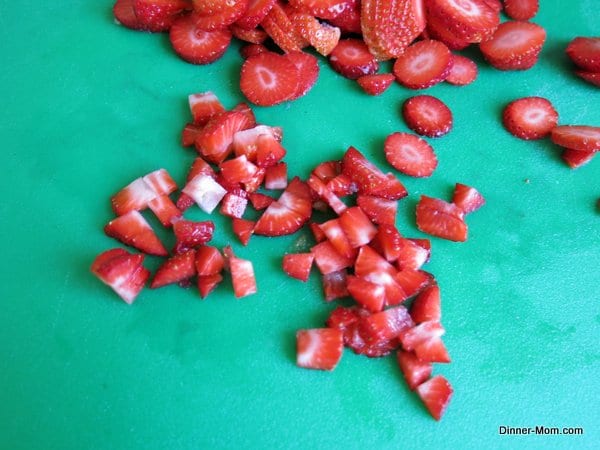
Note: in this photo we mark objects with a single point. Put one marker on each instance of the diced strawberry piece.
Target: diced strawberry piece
(164, 209)
(371, 266)
(125, 14)
(376, 84)
(268, 151)
(417, 335)
(369, 179)
(255, 36)
(427, 115)
(389, 27)
(245, 142)
(133, 230)
(432, 350)
(189, 133)
(249, 50)
(176, 268)
(441, 219)
(464, 71)
(351, 59)
(245, 109)
(374, 349)
(328, 259)
(195, 45)
(379, 210)
(234, 204)
(158, 15)
(423, 64)
(122, 271)
(242, 274)
(530, 117)
(280, 28)
(412, 281)
(385, 325)
(410, 154)
(415, 371)
(276, 176)
(319, 348)
(237, 170)
(208, 283)
(438, 30)
(297, 265)
(348, 21)
(357, 226)
(198, 167)
(521, 9)
(590, 77)
(133, 197)
(387, 242)
(435, 394)
(335, 234)
(585, 53)
(268, 79)
(427, 305)
(243, 229)
(322, 36)
(323, 192)
(343, 318)
(467, 198)
(204, 106)
(209, 260)
(317, 232)
(160, 182)
(576, 158)
(411, 256)
(367, 294)
(260, 201)
(423, 243)
(514, 46)
(472, 20)
(205, 191)
(334, 285)
(577, 137)
(327, 170)
(308, 71)
(215, 140)
(342, 185)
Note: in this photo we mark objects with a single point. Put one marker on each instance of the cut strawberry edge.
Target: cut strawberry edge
(441, 219)
(125, 15)
(197, 46)
(351, 59)
(590, 77)
(585, 53)
(576, 158)
(298, 265)
(377, 83)
(467, 198)
(436, 394)
(415, 371)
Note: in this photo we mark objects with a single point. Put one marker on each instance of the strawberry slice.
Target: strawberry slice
(471, 20)
(576, 158)
(495, 5)
(255, 13)
(415, 371)
(125, 14)
(530, 117)
(268, 79)
(334, 285)
(357, 226)
(376, 84)
(577, 137)
(175, 269)
(276, 176)
(590, 77)
(380, 210)
(585, 53)
(385, 325)
(255, 38)
(308, 71)
(323, 9)
(341, 185)
(351, 59)
(322, 36)
(423, 64)
(158, 15)
(464, 71)
(467, 198)
(514, 46)
(441, 219)
(220, 18)
(204, 106)
(190, 234)
(298, 265)
(122, 271)
(427, 115)
(427, 305)
(133, 230)
(165, 210)
(242, 274)
(369, 295)
(288, 214)
(280, 28)
(319, 348)
(208, 283)
(197, 46)
(410, 154)
(209, 261)
(205, 191)
(215, 140)
(389, 27)
(435, 394)
(521, 9)
(328, 259)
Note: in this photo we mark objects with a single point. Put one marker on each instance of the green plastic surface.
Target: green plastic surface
(88, 106)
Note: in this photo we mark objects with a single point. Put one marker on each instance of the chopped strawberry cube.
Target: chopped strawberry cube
(207, 283)
(467, 198)
(214, 141)
(338, 238)
(237, 170)
(133, 230)
(386, 325)
(415, 371)
(412, 281)
(209, 260)
(234, 203)
(268, 150)
(133, 197)
(204, 106)
(190, 234)
(417, 335)
(260, 201)
(189, 133)
(328, 259)
(122, 271)
(357, 226)
(435, 394)
(245, 142)
(297, 265)
(369, 295)
(334, 285)
(319, 348)
(441, 219)
(175, 269)
(243, 229)
(380, 210)
(205, 191)
(160, 182)
(164, 209)
(242, 275)
(276, 176)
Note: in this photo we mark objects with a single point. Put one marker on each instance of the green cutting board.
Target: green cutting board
(88, 106)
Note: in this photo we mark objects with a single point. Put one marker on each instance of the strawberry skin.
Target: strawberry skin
(521, 9)
(158, 15)
(255, 13)
(577, 137)
(191, 234)
(175, 269)
(268, 79)
(122, 271)
(197, 46)
(125, 14)
(585, 53)
(464, 71)
(441, 219)
(471, 20)
(242, 275)
(576, 158)
(209, 261)
(132, 229)
(427, 305)
(375, 84)
(319, 348)
(435, 394)
(410, 154)
(530, 117)
(590, 77)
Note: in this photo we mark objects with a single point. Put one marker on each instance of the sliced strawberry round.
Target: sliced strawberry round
(576, 158)
(410, 154)
(351, 59)
(158, 15)
(464, 71)
(514, 45)
(590, 77)
(125, 14)
(308, 71)
(435, 394)
(196, 46)
(423, 64)
(467, 198)
(439, 218)
(268, 79)
(521, 9)
(427, 116)
(585, 53)
(375, 84)
(220, 19)
(577, 137)
(472, 20)
(530, 117)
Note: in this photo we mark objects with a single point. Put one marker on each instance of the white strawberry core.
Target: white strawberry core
(351, 52)
(421, 63)
(199, 37)
(535, 116)
(466, 6)
(410, 153)
(206, 97)
(205, 191)
(267, 78)
(511, 39)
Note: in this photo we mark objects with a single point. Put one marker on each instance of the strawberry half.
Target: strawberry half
(427, 115)
(268, 79)
(376, 84)
(577, 137)
(319, 348)
(415, 371)
(410, 154)
(423, 64)
(195, 45)
(530, 117)
(441, 219)
(435, 394)
(467, 198)
(585, 53)
(521, 9)
(158, 15)
(351, 59)
(122, 271)
(175, 269)
(125, 14)
(464, 71)
(133, 230)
